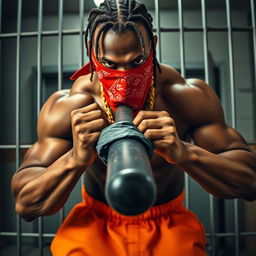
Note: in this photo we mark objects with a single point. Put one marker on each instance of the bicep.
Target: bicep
(41, 155)
(207, 122)
(44, 152)
(218, 138)
(53, 131)
(225, 142)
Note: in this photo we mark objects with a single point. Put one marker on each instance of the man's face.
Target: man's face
(123, 51)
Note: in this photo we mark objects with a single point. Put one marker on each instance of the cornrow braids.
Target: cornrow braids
(119, 16)
(106, 26)
(137, 31)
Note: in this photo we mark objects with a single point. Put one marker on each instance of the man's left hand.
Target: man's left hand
(160, 128)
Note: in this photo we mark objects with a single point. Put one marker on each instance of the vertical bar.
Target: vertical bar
(205, 41)
(183, 73)
(60, 70)
(0, 65)
(0, 49)
(182, 44)
(0, 16)
(157, 19)
(60, 46)
(254, 60)
(39, 55)
(206, 68)
(0, 98)
(233, 108)
(39, 81)
(231, 65)
(81, 18)
(17, 121)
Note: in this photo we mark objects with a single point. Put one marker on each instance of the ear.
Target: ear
(155, 40)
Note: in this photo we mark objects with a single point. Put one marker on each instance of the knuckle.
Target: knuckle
(98, 112)
(73, 112)
(164, 113)
(148, 133)
(94, 105)
(171, 140)
(77, 130)
(142, 113)
(168, 121)
(102, 122)
(171, 130)
(145, 123)
(84, 138)
(74, 119)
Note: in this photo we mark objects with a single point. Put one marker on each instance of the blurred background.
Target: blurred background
(42, 44)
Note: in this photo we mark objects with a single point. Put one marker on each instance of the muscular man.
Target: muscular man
(168, 109)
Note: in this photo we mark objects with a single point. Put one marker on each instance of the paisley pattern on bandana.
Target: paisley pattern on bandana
(129, 87)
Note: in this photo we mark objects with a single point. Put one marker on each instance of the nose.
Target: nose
(121, 69)
(124, 67)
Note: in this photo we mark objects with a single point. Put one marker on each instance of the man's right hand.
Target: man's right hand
(87, 124)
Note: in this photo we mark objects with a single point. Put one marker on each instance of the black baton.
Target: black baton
(130, 188)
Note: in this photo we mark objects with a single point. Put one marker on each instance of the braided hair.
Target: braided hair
(119, 16)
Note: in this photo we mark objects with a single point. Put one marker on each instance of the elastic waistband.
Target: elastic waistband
(103, 210)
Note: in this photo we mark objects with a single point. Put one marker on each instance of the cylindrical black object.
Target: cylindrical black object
(130, 188)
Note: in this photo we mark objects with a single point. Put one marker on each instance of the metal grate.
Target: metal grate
(181, 29)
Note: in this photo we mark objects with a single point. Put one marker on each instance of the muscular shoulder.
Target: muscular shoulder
(169, 75)
(54, 118)
(192, 100)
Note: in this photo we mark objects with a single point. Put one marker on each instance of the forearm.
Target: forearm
(44, 191)
(224, 175)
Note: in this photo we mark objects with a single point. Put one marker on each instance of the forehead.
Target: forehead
(122, 42)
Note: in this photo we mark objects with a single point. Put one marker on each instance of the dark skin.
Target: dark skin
(71, 121)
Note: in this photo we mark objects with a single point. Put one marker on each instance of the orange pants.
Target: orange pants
(93, 229)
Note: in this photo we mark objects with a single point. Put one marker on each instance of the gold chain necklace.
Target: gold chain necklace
(150, 101)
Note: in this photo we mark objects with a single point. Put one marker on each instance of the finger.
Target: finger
(85, 109)
(86, 117)
(157, 123)
(142, 115)
(149, 124)
(92, 126)
(156, 134)
(88, 109)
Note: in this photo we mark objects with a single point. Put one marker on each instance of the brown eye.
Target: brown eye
(139, 61)
(108, 64)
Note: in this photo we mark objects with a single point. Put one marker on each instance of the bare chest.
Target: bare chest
(168, 178)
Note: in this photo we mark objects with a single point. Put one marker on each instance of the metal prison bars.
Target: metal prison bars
(39, 34)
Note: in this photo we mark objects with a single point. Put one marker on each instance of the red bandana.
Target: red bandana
(129, 87)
